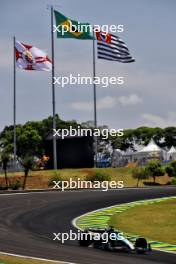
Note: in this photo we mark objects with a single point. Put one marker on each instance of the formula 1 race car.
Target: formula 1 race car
(111, 240)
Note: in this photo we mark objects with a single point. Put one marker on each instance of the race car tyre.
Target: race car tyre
(85, 241)
(107, 246)
(141, 245)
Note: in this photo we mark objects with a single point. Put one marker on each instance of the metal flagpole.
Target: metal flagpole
(53, 94)
(95, 98)
(14, 102)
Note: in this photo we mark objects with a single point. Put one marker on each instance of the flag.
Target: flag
(68, 28)
(111, 47)
(31, 58)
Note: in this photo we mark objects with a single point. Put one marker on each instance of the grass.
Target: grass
(155, 221)
(4, 259)
(39, 179)
(67, 173)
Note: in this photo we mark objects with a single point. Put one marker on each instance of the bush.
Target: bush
(3, 187)
(171, 169)
(173, 182)
(98, 176)
(15, 185)
(55, 178)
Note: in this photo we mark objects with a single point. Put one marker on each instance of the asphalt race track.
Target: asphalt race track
(27, 223)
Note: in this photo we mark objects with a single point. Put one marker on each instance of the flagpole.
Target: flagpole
(95, 98)
(53, 94)
(14, 102)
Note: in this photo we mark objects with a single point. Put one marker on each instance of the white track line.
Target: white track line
(40, 259)
(35, 191)
(73, 221)
(111, 206)
(108, 207)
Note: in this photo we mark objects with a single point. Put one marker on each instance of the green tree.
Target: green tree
(31, 136)
(139, 173)
(170, 136)
(5, 157)
(27, 163)
(154, 169)
(28, 142)
(171, 169)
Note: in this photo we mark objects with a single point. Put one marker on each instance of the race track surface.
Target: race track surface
(27, 223)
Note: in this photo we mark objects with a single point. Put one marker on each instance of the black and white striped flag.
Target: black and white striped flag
(111, 47)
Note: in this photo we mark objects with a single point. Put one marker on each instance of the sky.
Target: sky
(148, 94)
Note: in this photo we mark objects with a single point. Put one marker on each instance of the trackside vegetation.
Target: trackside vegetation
(155, 221)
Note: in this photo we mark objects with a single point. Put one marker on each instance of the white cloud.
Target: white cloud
(159, 121)
(83, 105)
(131, 99)
(107, 102)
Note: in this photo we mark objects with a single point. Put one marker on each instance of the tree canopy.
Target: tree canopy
(31, 136)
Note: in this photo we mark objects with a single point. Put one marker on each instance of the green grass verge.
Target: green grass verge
(156, 221)
(39, 179)
(81, 173)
